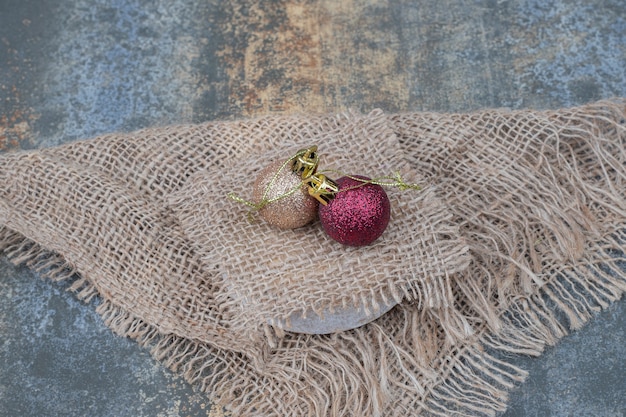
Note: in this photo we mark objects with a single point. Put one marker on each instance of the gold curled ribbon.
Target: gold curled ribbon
(305, 163)
(388, 181)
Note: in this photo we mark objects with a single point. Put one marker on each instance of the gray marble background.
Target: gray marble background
(72, 69)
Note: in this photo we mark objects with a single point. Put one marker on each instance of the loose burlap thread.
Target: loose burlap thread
(517, 237)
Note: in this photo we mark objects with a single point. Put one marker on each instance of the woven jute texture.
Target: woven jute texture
(517, 236)
(269, 274)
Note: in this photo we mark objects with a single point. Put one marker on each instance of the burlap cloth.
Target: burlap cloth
(517, 236)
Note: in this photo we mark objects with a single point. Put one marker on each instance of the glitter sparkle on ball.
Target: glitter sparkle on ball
(358, 214)
(296, 209)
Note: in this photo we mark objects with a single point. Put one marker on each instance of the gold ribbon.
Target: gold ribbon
(305, 163)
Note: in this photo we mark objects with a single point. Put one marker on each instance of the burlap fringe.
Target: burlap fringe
(476, 384)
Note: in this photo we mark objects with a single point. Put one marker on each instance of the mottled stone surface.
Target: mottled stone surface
(73, 69)
(338, 320)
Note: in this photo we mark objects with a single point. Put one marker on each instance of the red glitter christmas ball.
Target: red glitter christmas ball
(358, 215)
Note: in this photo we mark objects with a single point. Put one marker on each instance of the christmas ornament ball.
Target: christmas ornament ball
(295, 210)
(358, 214)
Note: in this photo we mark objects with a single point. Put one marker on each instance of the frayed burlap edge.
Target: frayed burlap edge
(479, 376)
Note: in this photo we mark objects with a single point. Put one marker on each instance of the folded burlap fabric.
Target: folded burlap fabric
(517, 235)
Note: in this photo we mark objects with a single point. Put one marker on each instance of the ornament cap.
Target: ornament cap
(306, 162)
(322, 188)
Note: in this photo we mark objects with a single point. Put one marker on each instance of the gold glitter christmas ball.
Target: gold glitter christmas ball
(295, 210)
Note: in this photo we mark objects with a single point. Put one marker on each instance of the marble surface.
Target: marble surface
(328, 322)
(72, 69)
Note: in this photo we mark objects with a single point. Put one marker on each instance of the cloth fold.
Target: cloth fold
(270, 275)
(517, 237)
